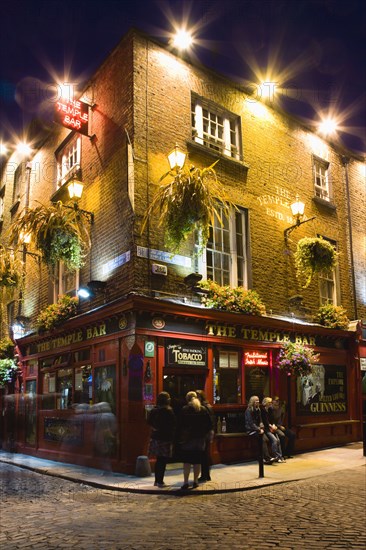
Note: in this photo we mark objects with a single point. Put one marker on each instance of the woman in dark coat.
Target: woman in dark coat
(163, 422)
(195, 425)
(206, 455)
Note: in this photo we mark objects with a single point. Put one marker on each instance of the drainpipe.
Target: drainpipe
(345, 162)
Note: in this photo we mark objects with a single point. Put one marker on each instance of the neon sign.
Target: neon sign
(257, 358)
(73, 115)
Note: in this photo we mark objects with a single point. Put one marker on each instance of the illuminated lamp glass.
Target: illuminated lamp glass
(176, 158)
(297, 207)
(75, 188)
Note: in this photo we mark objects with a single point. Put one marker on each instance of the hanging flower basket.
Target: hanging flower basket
(188, 201)
(59, 233)
(332, 316)
(6, 348)
(236, 299)
(55, 314)
(296, 359)
(314, 255)
(11, 269)
(8, 372)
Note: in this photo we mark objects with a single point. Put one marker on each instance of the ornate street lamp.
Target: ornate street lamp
(297, 209)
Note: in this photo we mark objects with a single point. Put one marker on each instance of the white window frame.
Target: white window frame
(68, 162)
(59, 286)
(215, 128)
(329, 283)
(231, 262)
(321, 178)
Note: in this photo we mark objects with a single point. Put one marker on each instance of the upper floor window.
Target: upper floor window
(321, 178)
(328, 284)
(64, 281)
(68, 161)
(225, 257)
(215, 127)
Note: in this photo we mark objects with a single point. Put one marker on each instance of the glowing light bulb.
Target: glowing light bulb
(24, 149)
(328, 126)
(182, 39)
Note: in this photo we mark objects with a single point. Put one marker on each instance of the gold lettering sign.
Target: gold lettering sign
(258, 335)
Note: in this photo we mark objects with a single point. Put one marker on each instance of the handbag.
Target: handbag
(160, 448)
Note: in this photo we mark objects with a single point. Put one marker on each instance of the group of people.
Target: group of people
(189, 434)
(267, 422)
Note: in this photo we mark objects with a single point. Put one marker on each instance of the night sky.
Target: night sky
(313, 49)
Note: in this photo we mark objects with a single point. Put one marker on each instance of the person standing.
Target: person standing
(206, 455)
(255, 427)
(163, 423)
(287, 437)
(194, 425)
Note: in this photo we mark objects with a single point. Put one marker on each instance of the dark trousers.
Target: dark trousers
(160, 465)
(287, 438)
(206, 461)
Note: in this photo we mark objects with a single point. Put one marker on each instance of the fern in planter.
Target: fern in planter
(332, 316)
(11, 269)
(236, 299)
(59, 233)
(189, 200)
(314, 255)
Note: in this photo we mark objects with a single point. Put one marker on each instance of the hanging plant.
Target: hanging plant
(296, 359)
(228, 298)
(188, 201)
(332, 316)
(55, 314)
(314, 255)
(8, 371)
(11, 269)
(59, 233)
(6, 348)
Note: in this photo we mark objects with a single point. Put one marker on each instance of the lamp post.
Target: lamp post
(297, 209)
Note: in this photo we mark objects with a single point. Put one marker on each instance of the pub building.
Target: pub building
(139, 347)
(144, 328)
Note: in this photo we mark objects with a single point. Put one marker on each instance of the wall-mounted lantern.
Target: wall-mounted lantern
(297, 209)
(176, 159)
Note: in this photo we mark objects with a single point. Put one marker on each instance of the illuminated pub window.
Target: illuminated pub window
(256, 373)
(227, 378)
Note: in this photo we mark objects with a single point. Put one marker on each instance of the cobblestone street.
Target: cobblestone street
(38, 511)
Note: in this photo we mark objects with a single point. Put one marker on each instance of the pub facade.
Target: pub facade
(146, 328)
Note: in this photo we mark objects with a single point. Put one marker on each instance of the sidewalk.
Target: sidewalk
(225, 478)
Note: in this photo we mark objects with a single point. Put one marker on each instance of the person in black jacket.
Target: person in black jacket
(163, 422)
(206, 455)
(255, 427)
(194, 425)
(270, 429)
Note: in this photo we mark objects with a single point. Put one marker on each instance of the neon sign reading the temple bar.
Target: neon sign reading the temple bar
(73, 114)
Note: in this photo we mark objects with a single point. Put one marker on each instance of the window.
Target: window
(225, 257)
(227, 378)
(321, 178)
(19, 180)
(215, 128)
(328, 284)
(68, 161)
(65, 281)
